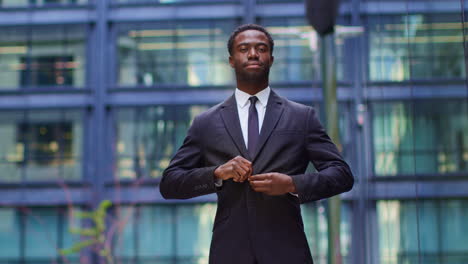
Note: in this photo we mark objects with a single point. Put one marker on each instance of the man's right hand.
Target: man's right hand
(238, 168)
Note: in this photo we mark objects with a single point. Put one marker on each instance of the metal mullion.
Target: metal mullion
(61, 144)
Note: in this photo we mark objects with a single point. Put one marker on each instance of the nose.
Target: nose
(252, 54)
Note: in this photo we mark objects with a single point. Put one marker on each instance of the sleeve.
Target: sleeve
(185, 177)
(333, 174)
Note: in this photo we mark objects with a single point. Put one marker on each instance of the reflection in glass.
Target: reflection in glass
(191, 54)
(147, 138)
(416, 137)
(34, 235)
(163, 233)
(416, 46)
(314, 216)
(296, 51)
(423, 231)
(42, 56)
(40, 145)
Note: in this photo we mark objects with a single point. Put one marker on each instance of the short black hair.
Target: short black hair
(245, 27)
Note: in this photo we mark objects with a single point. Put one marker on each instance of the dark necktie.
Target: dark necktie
(252, 126)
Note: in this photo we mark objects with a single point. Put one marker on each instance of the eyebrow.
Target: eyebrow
(256, 44)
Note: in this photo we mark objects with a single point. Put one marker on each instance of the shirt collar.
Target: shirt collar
(242, 97)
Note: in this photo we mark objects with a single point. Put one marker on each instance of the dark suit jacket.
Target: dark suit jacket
(251, 225)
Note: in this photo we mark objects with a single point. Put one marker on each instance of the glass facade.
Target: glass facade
(296, 51)
(41, 145)
(414, 137)
(416, 47)
(42, 56)
(147, 138)
(96, 97)
(34, 234)
(423, 231)
(174, 53)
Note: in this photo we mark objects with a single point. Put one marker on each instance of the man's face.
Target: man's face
(251, 58)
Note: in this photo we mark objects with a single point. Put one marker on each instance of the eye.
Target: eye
(262, 49)
(243, 49)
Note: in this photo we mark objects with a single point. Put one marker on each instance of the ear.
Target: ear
(272, 60)
(231, 61)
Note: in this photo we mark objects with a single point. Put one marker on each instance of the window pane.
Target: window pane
(423, 231)
(296, 51)
(314, 216)
(416, 46)
(10, 226)
(416, 137)
(41, 234)
(41, 145)
(147, 138)
(194, 225)
(42, 56)
(190, 54)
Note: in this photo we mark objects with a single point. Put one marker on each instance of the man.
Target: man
(253, 150)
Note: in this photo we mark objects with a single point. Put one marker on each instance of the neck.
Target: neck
(252, 87)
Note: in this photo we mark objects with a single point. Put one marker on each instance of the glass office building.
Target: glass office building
(97, 95)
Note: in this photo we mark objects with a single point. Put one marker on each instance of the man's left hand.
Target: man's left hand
(272, 183)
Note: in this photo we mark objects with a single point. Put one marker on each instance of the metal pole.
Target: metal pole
(328, 62)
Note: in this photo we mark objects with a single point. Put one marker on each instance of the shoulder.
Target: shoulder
(295, 107)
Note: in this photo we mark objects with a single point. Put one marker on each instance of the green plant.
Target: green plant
(95, 235)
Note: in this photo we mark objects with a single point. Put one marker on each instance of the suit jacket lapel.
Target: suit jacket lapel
(273, 112)
(231, 121)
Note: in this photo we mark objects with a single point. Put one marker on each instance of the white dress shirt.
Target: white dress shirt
(243, 105)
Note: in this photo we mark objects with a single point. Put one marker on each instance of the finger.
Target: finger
(243, 160)
(259, 177)
(259, 184)
(261, 189)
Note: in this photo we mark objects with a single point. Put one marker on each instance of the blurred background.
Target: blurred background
(97, 95)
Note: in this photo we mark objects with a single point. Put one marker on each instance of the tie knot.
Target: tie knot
(253, 100)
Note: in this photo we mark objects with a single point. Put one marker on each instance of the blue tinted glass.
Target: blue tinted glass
(422, 231)
(156, 231)
(416, 137)
(41, 234)
(9, 233)
(194, 230)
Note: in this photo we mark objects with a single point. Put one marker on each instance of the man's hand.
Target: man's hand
(239, 169)
(272, 183)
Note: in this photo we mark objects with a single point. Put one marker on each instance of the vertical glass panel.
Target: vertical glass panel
(10, 226)
(12, 150)
(194, 225)
(416, 137)
(416, 46)
(147, 138)
(174, 53)
(42, 56)
(416, 231)
(124, 246)
(41, 234)
(314, 216)
(156, 232)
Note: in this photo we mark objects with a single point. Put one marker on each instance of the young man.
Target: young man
(253, 150)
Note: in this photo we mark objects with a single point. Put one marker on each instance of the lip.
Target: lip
(253, 65)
